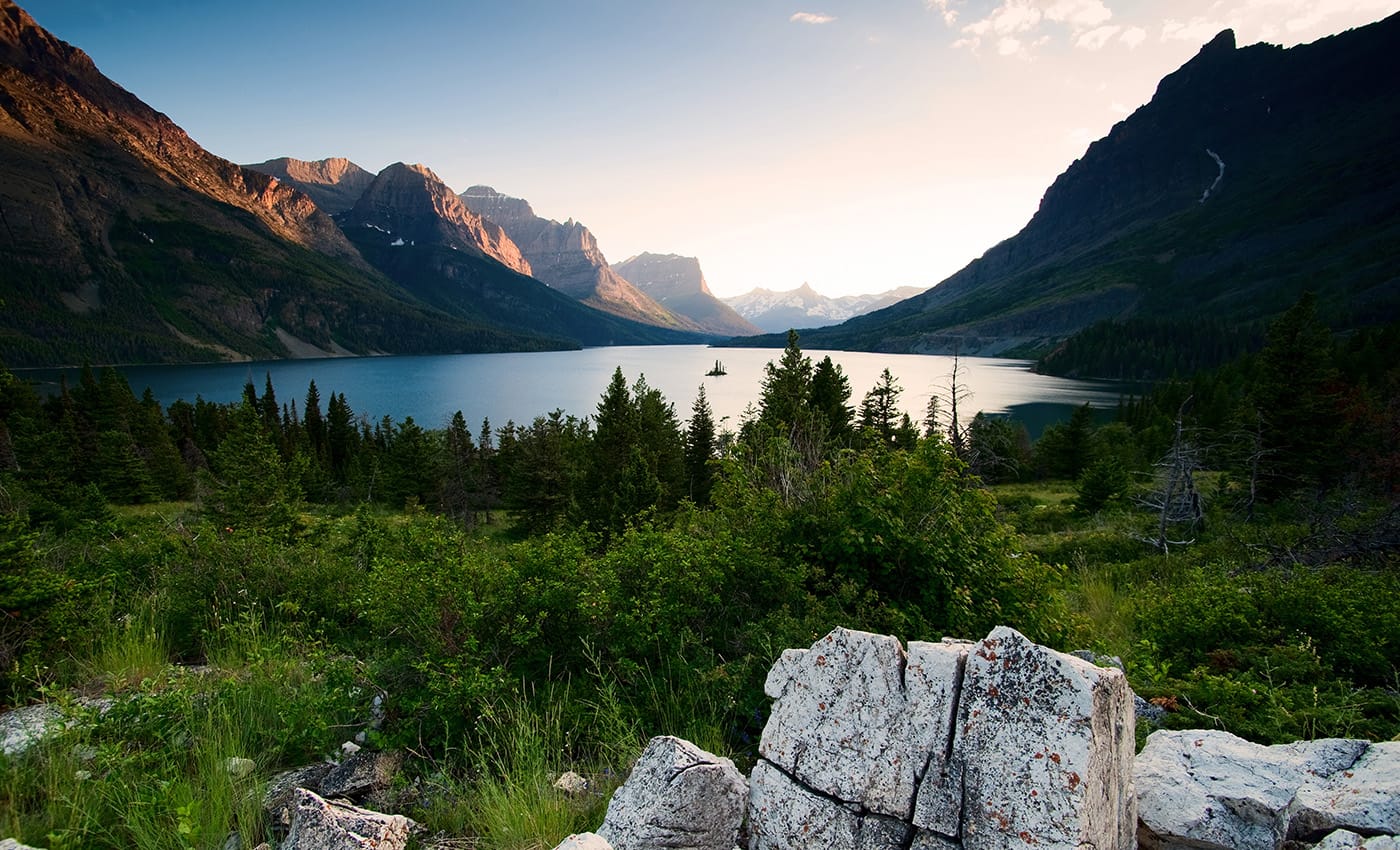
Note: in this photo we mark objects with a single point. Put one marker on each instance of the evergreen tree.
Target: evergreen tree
(787, 389)
(700, 449)
(879, 412)
(1296, 398)
(830, 401)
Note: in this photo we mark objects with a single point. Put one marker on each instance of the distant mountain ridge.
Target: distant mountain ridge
(678, 283)
(1252, 175)
(335, 184)
(566, 257)
(804, 307)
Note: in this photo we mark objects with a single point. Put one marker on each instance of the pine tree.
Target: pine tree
(700, 449)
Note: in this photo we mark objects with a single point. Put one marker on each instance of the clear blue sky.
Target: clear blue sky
(857, 145)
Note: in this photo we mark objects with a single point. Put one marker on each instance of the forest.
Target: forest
(269, 578)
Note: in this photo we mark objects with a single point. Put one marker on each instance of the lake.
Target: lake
(521, 386)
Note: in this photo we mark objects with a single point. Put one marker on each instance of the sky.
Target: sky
(855, 145)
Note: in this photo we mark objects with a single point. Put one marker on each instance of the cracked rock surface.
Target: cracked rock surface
(952, 745)
(1209, 789)
(678, 797)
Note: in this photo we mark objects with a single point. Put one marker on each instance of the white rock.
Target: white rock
(1043, 752)
(11, 844)
(584, 841)
(856, 718)
(1363, 796)
(784, 815)
(679, 797)
(1344, 839)
(1209, 789)
(320, 824)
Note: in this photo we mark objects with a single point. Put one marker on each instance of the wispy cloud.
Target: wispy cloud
(944, 8)
(1016, 27)
(811, 18)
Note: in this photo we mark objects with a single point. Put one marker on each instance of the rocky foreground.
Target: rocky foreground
(956, 745)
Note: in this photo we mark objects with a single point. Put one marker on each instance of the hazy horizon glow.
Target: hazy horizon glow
(853, 145)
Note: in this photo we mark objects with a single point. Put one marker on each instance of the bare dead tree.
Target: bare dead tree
(943, 409)
(1175, 499)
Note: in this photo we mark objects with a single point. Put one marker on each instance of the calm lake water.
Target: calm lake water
(522, 386)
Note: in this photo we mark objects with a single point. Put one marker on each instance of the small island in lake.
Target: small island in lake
(716, 371)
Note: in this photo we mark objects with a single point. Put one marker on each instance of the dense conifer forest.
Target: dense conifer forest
(250, 579)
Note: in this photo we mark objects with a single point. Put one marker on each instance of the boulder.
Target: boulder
(320, 824)
(784, 814)
(1042, 753)
(997, 744)
(1363, 797)
(361, 774)
(679, 797)
(857, 718)
(1208, 789)
(11, 844)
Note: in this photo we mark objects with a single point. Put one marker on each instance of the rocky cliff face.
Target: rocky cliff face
(566, 257)
(335, 184)
(804, 307)
(678, 283)
(410, 203)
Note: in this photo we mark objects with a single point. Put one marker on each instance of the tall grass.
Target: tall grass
(155, 771)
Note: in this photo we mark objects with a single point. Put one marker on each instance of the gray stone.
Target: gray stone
(279, 799)
(783, 815)
(23, 727)
(856, 718)
(1043, 753)
(11, 844)
(1211, 790)
(361, 774)
(1344, 839)
(320, 824)
(1363, 797)
(678, 796)
(584, 841)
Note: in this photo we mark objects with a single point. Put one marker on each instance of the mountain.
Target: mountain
(122, 240)
(411, 226)
(566, 256)
(775, 312)
(335, 184)
(679, 285)
(1252, 175)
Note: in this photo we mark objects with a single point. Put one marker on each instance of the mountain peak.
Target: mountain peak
(334, 183)
(410, 203)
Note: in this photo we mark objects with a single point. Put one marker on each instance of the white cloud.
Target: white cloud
(811, 18)
(944, 8)
(1079, 14)
(1025, 22)
(1096, 38)
(1133, 36)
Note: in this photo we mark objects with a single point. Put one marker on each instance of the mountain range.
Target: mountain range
(1253, 175)
(804, 307)
(123, 240)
